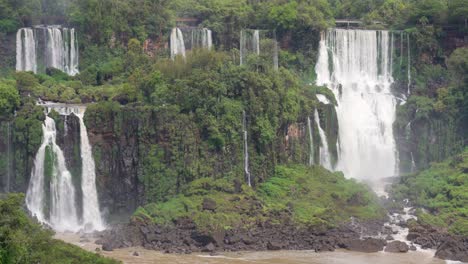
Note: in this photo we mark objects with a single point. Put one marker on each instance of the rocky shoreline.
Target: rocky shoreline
(184, 238)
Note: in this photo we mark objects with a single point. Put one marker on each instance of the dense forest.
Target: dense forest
(167, 133)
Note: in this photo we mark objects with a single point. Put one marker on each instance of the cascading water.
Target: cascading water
(202, 38)
(55, 48)
(63, 212)
(325, 160)
(409, 62)
(177, 43)
(249, 43)
(26, 59)
(311, 142)
(91, 212)
(246, 149)
(360, 77)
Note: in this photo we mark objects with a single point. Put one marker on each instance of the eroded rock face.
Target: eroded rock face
(454, 248)
(397, 247)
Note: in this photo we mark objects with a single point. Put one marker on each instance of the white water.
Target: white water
(59, 51)
(26, 50)
(202, 38)
(249, 43)
(360, 79)
(311, 142)
(91, 212)
(63, 212)
(409, 62)
(177, 43)
(325, 159)
(323, 99)
(246, 149)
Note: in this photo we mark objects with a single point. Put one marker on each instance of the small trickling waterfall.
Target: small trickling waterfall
(91, 212)
(61, 212)
(177, 43)
(409, 62)
(249, 43)
(47, 47)
(325, 159)
(26, 58)
(311, 142)
(246, 149)
(359, 74)
(9, 159)
(201, 39)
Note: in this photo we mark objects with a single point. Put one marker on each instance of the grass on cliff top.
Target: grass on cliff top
(443, 191)
(23, 241)
(312, 197)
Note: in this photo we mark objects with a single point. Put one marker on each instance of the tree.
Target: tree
(9, 98)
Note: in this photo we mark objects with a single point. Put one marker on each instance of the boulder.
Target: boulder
(273, 245)
(107, 247)
(209, 248)
(397, 247)
(135, 254)
(368, 245)
(453, 248)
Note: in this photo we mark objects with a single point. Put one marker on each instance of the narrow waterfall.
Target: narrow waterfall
(9, 159)
(177, 43)
(249, 44)
(408, 141)
(246, 149)
(26, 59)
(360, 77)
(311, 142)
(63, 212)
(325, 159)
(47, 47)
(91, 212)
(202, 39)
(409, 62)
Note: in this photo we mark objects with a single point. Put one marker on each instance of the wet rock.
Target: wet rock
(209, 248)
(368, 245)
(209, 204)
(107, 247)
(389, 237)
(273, 245)
(454, 248)
(397, 247)
(135, 254)
(412, 248)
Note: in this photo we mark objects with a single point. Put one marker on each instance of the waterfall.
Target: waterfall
(177, 43)
(91, 212)
(26, 59)
(409, 62)
(249, 43)
(9, 159)
(202, 38)
(63, 212)
(56, 48)
(246, 149)
(311, 142)
(360, 78)
(325, 160)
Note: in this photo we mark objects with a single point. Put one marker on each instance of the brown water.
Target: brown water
(270, 257)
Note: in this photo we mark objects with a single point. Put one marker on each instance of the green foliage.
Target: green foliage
(23, 241)
(442, 189)
(9, 98)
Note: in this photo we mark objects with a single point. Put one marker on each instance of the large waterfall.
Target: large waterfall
(356, 66)
(177, 43)
(62, 213)
(45, 47)
(51, 195)
(325, 159)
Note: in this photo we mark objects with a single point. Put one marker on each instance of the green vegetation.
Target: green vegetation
(23, 241)
(312, 197)
(443, 191)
